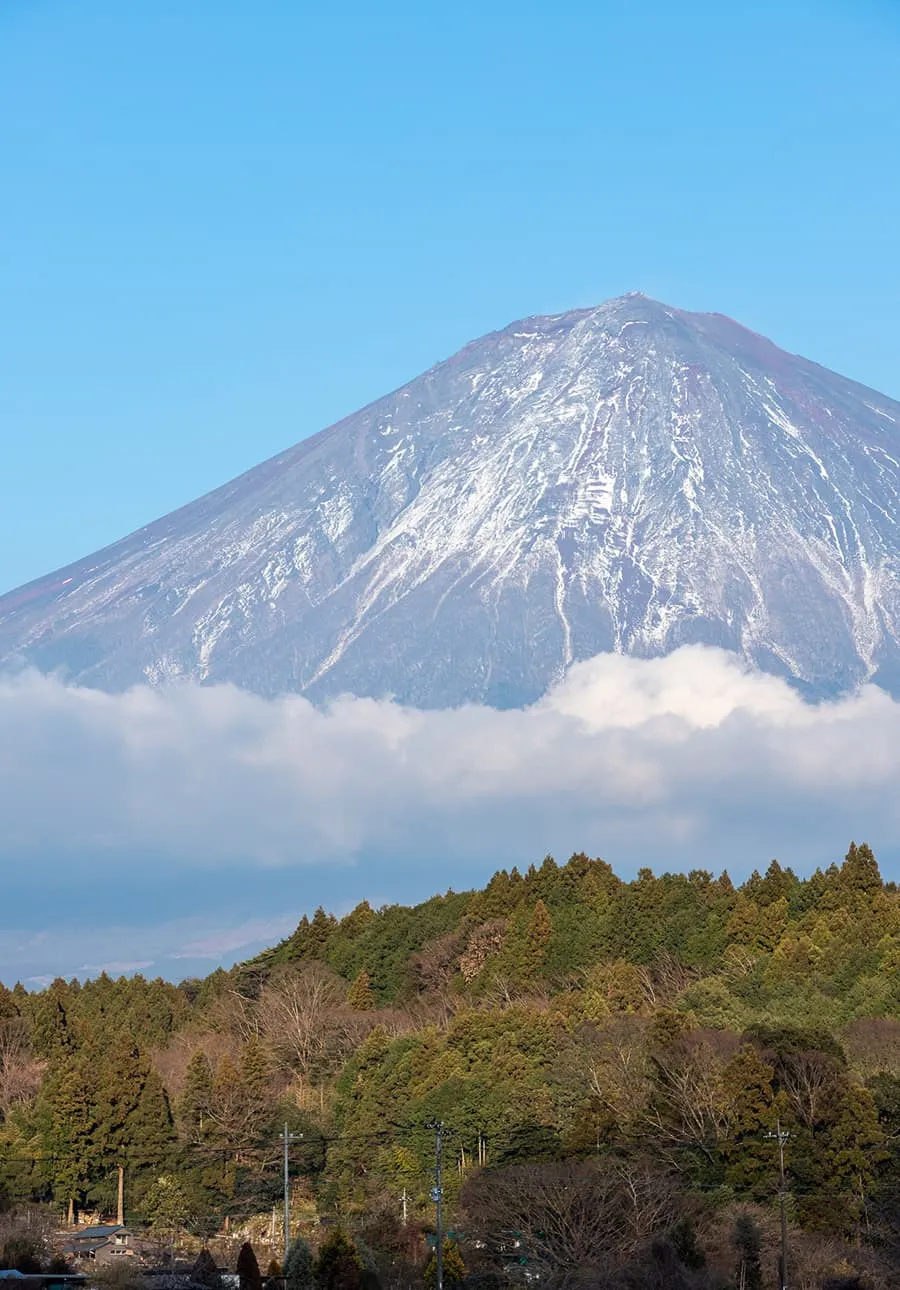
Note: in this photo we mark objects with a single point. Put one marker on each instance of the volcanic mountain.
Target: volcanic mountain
(631, 478)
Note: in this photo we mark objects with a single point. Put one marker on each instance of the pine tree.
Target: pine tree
(149, 1136)
(356, 922)
(204, 1273)
(67, 1114)
(256, 1074)
(860, 875)
(121, 1074)
(453, 1268)
(747, 1085)
(193, 1105)
(50, 1026)
(338, 1266)
(360, 995)
(248, 1268)
(298, 1266)
(165, 1205)
(538, 934)
(747, 1242)
(320, 929)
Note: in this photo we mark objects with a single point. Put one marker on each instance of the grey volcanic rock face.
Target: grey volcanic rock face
(626, 478)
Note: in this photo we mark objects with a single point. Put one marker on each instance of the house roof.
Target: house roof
(101, 1230)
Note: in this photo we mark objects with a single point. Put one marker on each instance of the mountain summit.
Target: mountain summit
(631, 477)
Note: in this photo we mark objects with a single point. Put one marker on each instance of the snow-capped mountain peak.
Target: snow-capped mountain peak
(630, 477)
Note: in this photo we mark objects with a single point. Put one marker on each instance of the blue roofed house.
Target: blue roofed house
(101, 1243)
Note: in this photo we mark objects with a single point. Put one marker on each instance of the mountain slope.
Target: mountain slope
(631, 477)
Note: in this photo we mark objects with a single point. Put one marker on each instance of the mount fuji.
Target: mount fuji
(626, 478)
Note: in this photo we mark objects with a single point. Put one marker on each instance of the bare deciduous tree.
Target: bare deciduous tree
(689, 1105)
(303, 1015)
(617, 1068)
(574, 1218)
(20, 1072)
(807, 1078)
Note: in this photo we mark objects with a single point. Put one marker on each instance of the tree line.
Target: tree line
(610, 1060)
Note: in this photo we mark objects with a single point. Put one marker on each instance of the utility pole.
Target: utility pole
(781, 1137)
(288, 1139)
(437, 1195)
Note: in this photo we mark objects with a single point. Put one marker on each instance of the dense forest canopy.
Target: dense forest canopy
(631, 1044)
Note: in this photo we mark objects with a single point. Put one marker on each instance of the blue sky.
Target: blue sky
(225, 225)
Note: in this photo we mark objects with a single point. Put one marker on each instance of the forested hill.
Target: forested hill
(556, 1019)
(554, 924)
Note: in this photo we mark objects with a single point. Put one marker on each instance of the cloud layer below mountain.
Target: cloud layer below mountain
(684, 761)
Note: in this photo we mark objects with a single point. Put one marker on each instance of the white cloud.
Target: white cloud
(173, 948)
(686, 754)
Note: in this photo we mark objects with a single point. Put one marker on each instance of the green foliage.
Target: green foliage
(298, 1266)
(338, 1266)
(556, 1014)
(453, 1268)
(360, 996)
(196, 1097)
(165, 1204)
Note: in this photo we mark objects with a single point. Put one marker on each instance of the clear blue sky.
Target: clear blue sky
(225, 224)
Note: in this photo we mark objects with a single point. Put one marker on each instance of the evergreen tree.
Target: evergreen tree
(256, 1075)
(8, 1006)
(360, 995)
(317, 935)
(149, 1135)
(194, 1103)
(165, 1205)
(338, 1266)
(453, 1268)
(747, 1086)
(50, 1024)
(356, 922)
(298, 1266)
(248, 1268)
(747, 1242)
(204, 1273)
(860, 875)
(69, 1116)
